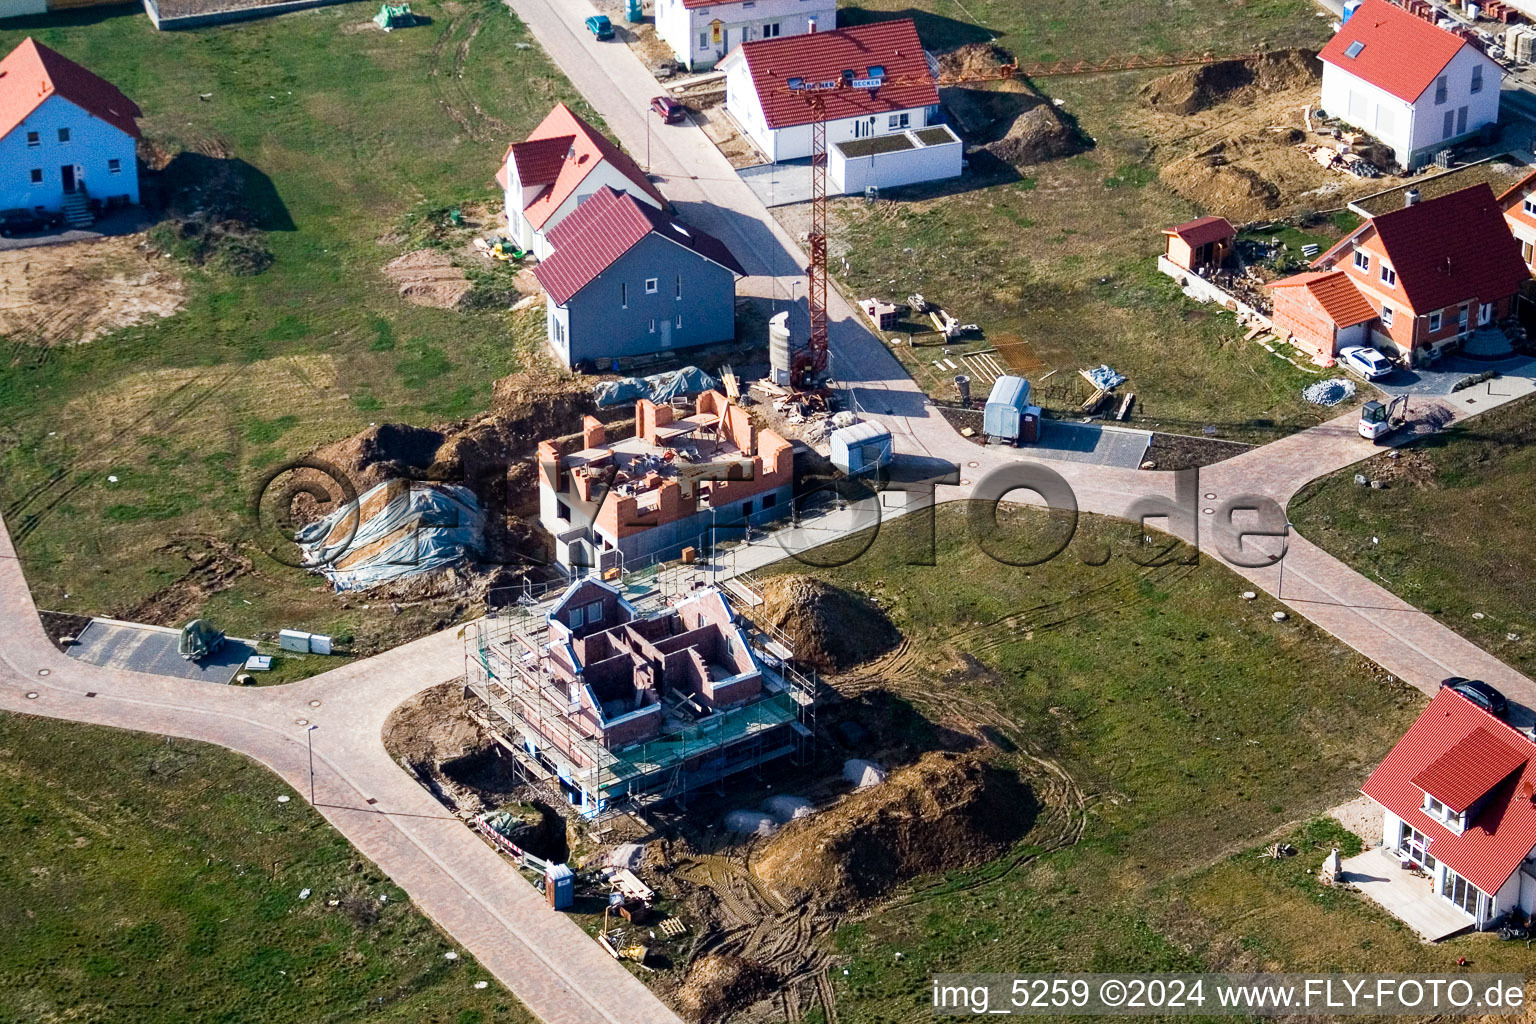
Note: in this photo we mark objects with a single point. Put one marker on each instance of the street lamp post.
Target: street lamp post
(309, 736)
(1285, 543)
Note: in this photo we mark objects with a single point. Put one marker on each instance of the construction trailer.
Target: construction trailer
(1008, 417)
(861, 448)
(626, 703)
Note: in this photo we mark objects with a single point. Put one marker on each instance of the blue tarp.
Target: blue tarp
(1105, 378)
(660, 387)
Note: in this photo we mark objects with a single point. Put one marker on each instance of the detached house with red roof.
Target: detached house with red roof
(1519, 207)
(65, 135)
(1413, 282)
(882, 103)
(626, 279)
(1412, 85)
(701, 32)
(562, 163)
(1458, 800)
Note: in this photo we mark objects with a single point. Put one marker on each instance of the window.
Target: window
(877, 71)
(1461, 120)
(562, 511)
(679, 286)
(1354, 49)
(34, 140)
(771, 30)
(703, 40)
(1362, 260)
(1416, 845)
(1386, 316)
(624, 294)
(769, 500)
(653, 325)
(749, 3)
(1442, 90)
(1388, 276)
(1459, 891)
(1449, 128)
(1527, 251)
(898, 121)
(677, 321)
(1529, 205)
(595, 611)
(1477, 78)
(576, 618)
(1434, 322)
(63, 134)
(114, 167)
(37, 175)
(650, 286)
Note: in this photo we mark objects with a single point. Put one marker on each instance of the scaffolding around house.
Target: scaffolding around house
(507, 666)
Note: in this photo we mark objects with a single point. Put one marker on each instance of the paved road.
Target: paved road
(449, 873)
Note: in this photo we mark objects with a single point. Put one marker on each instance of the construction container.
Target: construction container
(295, 640)
(779, 352)
(861, 448)
(560, 886)
(1003, 416)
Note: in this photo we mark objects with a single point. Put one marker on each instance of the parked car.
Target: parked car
(22, 222)
(600, 26)
(1367, 362)
(670, 110)
(1479, 693)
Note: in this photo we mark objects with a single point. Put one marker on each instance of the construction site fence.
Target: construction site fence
(523, 857)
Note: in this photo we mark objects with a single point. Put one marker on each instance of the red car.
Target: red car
(670, 110)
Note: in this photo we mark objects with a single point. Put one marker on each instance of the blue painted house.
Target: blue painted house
(626, 279)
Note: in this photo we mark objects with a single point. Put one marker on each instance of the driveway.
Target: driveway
(781, 184)
(122, 222)
(1092, 443)
(1518, 372)
(137, 648)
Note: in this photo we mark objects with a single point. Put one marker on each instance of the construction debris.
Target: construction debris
(1329, 392)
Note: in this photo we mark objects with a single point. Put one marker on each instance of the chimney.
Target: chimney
(1411, 197)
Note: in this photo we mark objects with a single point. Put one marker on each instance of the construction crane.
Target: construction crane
(811, 362)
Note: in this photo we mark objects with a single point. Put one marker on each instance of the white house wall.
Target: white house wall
(1414, 130)
(604, 174)
(889, 170)
(794, 142)
(92, 143)
(747, 21)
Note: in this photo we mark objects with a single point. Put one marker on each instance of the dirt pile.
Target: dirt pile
(434, 736)
(831, 628)
(383, 452)
(427, 277)
(1232, 190)
(719, 985)
(1037, 135)
(973, 59)
(947, 810)
(1190, 90)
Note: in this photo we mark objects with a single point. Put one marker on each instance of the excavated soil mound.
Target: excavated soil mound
(1037, 135)
(719, 985)
(831, 628)
(1190, 90)
(973, 59)
(383, 452)
(1239, 193)
(946, 811)
(427, 277)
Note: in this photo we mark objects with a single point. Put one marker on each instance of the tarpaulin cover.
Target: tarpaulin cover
(660, 387)
(1104, 377)
(397, 529)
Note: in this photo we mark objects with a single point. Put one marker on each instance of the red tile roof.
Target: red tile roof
(584, 148)
(1466, 772)
(1517, 190)
(824, 56)
(1400, 52)
(1445, 250)
(1336, 293)
(32, 72)
(1206, 229)
(605, 227)
(1503, 831)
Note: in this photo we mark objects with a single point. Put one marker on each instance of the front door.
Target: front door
(1485, 314)
(68, 173)
(666, 333)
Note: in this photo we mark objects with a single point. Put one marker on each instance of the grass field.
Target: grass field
(150, 881)
(1056, 261)
(1444, 534)
(1198, 729)
(345, 138)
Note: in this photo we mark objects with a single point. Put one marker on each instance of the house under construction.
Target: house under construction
(626, 706)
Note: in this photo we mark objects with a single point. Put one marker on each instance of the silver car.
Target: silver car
(1367, 362)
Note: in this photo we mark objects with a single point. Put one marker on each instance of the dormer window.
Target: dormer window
(1453, 820)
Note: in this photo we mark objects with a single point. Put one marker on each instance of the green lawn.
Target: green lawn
(1195, 725)
(1058, 262)
(345, 139)
(152, 881)
(1446, 533)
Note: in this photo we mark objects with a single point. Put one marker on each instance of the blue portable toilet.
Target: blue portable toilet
(633, 12)
(1350, 7)
(861, 448)
(1003, 417)
(560, 886)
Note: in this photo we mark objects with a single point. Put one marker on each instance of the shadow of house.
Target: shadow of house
(78, 17)
(218, 189)
(936, 31)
